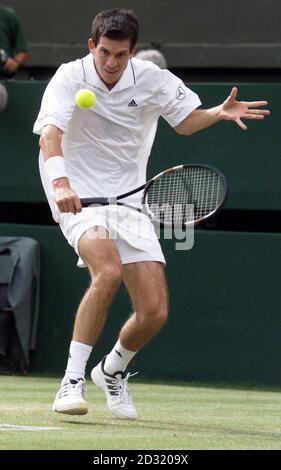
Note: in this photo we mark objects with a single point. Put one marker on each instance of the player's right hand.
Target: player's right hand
(65, 198)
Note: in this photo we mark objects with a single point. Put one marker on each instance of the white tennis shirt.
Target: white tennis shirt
(106, 147)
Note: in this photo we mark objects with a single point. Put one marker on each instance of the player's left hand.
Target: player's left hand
(233, 110)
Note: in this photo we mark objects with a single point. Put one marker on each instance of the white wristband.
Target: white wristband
(55, 168)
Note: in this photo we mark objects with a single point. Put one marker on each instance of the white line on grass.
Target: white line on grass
(13, 427)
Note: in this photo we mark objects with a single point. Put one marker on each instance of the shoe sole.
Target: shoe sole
(81, 409)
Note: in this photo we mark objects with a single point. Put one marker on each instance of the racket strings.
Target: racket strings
(185, 195)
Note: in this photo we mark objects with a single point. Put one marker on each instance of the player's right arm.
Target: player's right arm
(64, 196)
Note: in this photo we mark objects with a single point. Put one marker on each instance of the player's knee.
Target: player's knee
(160, 317)
(109, 276)
(155, 316)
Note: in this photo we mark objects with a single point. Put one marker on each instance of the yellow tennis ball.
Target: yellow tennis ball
(85, 98)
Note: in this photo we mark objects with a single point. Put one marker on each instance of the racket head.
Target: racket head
(184, 195)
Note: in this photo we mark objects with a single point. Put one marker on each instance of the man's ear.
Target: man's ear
(132, 53)
(91, 45)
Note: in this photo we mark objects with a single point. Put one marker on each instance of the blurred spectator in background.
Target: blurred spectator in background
(154, 56)
(3, 97)
(13, 44)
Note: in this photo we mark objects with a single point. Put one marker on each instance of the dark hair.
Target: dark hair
(117, 25)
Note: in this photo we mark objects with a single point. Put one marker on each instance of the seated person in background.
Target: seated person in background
(154, 56)
(13, 44)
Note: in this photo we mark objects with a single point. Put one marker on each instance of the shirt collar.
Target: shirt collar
(91, 77)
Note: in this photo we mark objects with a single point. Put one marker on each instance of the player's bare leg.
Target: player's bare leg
(103, 261)
(146, 285)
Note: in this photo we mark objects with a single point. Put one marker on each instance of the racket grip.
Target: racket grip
(88, 201)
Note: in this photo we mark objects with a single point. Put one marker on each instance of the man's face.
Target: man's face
(111, 58)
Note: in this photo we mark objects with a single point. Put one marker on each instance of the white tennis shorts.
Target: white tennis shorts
(132, 232)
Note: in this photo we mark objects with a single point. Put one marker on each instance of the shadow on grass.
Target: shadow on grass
(178, 427)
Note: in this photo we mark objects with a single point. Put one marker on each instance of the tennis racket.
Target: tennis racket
(184, 195)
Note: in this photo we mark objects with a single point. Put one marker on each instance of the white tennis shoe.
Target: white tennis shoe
(70, 397)
(117, 391)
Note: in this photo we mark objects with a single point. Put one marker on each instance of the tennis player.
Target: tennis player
(104, 151)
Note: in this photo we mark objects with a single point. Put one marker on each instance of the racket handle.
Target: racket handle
(88, 201)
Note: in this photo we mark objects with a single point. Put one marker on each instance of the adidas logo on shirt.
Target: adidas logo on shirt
(132, 104)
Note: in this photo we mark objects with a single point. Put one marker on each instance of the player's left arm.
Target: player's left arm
(229, 110)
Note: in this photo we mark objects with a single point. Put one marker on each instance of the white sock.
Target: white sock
(118, 359)
(78, 356)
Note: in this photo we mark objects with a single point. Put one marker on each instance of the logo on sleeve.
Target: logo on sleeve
(180, 93)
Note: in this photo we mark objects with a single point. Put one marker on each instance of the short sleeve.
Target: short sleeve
(176, 100)
(58, 101)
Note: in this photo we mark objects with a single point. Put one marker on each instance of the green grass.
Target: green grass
(171, 417)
